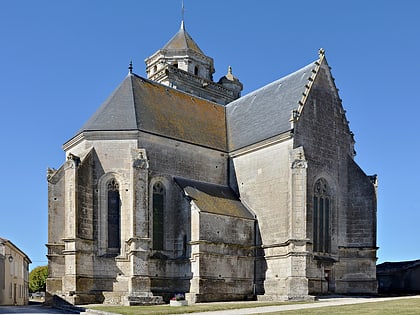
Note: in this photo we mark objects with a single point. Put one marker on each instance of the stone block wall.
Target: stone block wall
(222, 261)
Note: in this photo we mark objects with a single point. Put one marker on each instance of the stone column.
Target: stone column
(70, 231)
(297, 282)
(297, 223)
(196, 283)
(138, 245)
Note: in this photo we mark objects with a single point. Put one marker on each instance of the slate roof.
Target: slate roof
(215, 199)
(266, 112)
(182, 40)
(141, 104)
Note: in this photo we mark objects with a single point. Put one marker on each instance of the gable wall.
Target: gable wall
(323, 132)
(326, 140)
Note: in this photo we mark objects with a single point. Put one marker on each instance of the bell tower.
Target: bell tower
(181, 64)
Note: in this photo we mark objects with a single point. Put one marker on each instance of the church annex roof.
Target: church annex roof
(182, 40)
(215, 199)
(266, 112)
(141, 104)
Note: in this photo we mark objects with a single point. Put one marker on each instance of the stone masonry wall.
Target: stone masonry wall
(222, 257)
(322, 130)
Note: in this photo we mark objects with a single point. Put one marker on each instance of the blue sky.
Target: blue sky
(59, 60)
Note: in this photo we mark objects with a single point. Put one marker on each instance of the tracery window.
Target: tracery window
(113, 214)
(322, 217)
(158, 207)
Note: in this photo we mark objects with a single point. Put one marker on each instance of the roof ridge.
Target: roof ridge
(249, 94)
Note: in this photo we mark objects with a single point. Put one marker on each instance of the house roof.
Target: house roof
(4, 241)
(216, 199)
(266, 112)
(387, 267)
(182, 40)
(141, 104)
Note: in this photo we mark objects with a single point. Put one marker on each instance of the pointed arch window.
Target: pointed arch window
(322, 217)
(113, 214)
(158, 212)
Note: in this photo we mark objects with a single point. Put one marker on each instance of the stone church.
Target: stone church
(178, 184)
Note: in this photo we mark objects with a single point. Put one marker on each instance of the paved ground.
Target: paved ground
(31, 309)
(322, 302)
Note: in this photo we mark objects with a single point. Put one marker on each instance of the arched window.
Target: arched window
(158, 206)
(196, 70)
(322, 217)
(175, 65)
(113, 214)
(154, 69)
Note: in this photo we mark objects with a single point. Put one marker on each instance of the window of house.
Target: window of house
(158, 206)
(113, 214)
(322, 217)
(196, 70)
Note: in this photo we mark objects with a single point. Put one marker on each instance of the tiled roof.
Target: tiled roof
(266, 112)
(141, 104)
(215, 199)
(396, 266)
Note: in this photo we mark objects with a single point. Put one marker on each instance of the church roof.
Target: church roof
(141, 104)
(266, 112)
(216, 199)
(182, 40)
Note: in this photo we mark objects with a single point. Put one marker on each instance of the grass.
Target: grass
(402, 306)
(166, 309)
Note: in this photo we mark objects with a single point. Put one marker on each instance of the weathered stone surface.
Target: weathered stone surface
(136, 216)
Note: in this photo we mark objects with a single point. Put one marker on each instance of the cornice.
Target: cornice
(262, 144)
(93, 135)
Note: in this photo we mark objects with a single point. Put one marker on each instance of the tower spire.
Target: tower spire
(182, 15)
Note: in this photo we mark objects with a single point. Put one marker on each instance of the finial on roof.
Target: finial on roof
(182, 16)
(321, 52)
(130, 67)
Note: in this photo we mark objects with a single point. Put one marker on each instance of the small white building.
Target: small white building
(14, 274)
